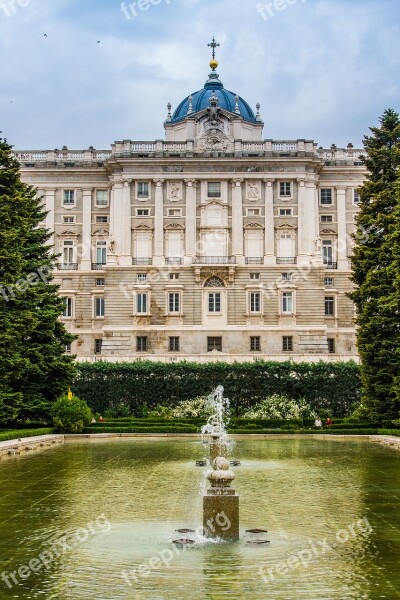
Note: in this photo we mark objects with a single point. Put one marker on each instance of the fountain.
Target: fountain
(220, 502)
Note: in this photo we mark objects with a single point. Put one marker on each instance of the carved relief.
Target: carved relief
(213, 140)
(253, 190)
(174, 191)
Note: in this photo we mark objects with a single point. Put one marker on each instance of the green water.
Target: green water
(109, 507)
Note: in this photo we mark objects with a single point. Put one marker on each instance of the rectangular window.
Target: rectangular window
(214, 343)
(68, 348)
(68, 252)
(100, 282)
(285, 189)
(214, 302)
(101, 253)
(174, 276)
(141, 277)
(70, 219)
(102, 219)
(253, 212)
(254, 276)
(327, 252)
(214, 189)
(173, 345)
(285, 212)
(329, 281)
(99, 307)
(141, 303)
(101, 197)
(174, 304)
(142, 212)
(174, 212)
(287, 276)
(287, 343)
(356, 197)
(68, 307)
(98, 346)
(287, 302)
(255, 302)
(255, 343)
(69, 197)
(326, 196)
(326, 219)
(142, 189)
(331, 346)
(329, 306)
(141, 343)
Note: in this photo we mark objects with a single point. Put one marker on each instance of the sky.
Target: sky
(322, 69)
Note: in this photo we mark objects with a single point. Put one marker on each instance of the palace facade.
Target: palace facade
(213, 244)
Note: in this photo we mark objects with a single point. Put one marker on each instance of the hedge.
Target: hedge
(23, 433)
(142, 386)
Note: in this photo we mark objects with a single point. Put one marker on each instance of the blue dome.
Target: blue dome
(200, 101)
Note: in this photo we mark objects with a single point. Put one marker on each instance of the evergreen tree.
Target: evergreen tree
(34, 368)
(376, 270)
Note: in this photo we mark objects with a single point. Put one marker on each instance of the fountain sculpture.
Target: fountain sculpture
(220, 502)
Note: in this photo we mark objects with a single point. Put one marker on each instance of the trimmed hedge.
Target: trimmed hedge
(140, 429)
(395, 432)
(22, 433)
(142, 386)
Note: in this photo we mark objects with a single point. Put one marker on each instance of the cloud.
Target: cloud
(322, 69)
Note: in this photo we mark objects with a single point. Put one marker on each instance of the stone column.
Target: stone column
(269, 232)
(312, 225)
(159, 258)
(191, 220)
(50, 201)
(86, 255)
(342, 259)
(237, 221)
(115, 223)
(125, 249)
(302, 221)
(307, 232)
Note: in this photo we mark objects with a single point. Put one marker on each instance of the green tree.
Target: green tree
(34, 368)
(375, 265)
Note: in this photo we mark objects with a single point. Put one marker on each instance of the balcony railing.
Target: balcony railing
(142, 261)
(67, 266)
(170, 260)
(214, 260)
(286, 260)
(330, 265)
(98, 266)
(251, 260)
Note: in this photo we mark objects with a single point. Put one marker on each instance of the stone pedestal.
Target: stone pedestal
(221, 515)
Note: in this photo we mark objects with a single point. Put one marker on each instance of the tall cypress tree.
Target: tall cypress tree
(376, 272)
(34, 368)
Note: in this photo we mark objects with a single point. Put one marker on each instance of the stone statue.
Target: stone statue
(318, 244)
(111, 244)
(175, 190)
(253, 191)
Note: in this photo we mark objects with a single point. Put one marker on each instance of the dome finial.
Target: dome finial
(213, 45)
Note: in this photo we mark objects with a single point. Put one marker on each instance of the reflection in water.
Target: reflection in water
(310, 494)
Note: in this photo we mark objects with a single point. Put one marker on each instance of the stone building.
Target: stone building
(213, 244)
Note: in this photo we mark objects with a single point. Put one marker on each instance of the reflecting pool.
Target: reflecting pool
(95, 520)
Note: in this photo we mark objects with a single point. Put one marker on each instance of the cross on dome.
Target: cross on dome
(213, 45)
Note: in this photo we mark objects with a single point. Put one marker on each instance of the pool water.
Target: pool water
(95, 521)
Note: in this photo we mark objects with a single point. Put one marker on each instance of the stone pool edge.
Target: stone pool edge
(21, 445)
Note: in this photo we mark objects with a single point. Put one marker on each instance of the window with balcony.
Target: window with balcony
(68, 254)
(327, 252)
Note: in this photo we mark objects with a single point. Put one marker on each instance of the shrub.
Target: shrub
(199, 407)
(24, 433)
(71, 416)
(280, 407)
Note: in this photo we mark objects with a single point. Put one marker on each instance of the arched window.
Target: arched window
(214, 282)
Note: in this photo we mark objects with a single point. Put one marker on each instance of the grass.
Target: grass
(23, 433)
